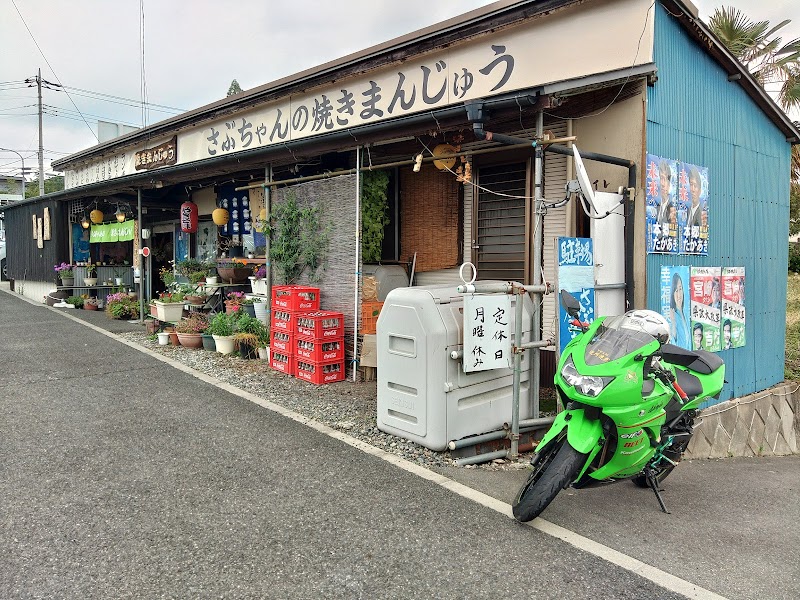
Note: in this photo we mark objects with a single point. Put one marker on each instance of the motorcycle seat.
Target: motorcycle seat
(699, 361)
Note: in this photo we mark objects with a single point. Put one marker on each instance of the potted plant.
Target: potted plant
(233, 271)
(263, 341)
(222, 328)
(91, 303)
(121, 306)
(257, 282)
(247, 332)
(76, 301)
(169, 306)
(91, 275)
(190, 330)
(66, 273)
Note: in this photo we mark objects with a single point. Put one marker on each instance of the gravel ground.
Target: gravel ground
(345, 406)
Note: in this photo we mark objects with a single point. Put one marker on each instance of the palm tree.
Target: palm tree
(761, 51)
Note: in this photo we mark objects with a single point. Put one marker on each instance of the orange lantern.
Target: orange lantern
(96, 216)
(189, 217)
(220, 216)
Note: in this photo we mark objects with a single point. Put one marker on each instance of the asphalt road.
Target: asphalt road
(123, 477)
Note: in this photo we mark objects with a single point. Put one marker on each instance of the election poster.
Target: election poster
(706, 307)
(693, 207)
(675, 304)
(733, 311)
(663, 233)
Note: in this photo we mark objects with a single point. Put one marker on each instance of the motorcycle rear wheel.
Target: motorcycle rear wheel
(552, 473)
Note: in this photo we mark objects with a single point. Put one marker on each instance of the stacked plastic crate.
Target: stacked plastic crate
(288, 303)
(319, 347)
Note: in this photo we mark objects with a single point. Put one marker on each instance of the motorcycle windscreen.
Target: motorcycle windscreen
(613, 341)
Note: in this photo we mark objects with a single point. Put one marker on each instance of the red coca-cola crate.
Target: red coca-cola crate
(282, 342)
(283, 320)
(319, 351)
(320, 325)
(295, 298)
(285, 363)
(319, 373)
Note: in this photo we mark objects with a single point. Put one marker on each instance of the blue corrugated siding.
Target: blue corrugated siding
(695, 114)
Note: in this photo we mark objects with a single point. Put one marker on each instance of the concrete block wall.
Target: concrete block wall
(763, 424)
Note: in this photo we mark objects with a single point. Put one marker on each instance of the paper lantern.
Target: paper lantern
(220, 216)
(96, 216)
(189, 217)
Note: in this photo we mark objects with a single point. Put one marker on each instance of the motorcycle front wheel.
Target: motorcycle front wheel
(553, 470)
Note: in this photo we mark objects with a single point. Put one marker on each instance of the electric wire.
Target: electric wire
(49, 65)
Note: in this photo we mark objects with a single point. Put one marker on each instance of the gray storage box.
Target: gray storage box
(423, 394)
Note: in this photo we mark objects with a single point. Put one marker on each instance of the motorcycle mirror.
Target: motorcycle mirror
(570, 303)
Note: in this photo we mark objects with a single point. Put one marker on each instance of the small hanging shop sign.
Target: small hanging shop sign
(161, 156)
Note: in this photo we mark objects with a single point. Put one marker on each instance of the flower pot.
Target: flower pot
(212, 280)
(89, 306)
(231, 307)
(173, 339)
(262, 311)
(263, 353)
(224, 343)
(67, 281)
(247, 351)
(117, 280)
(196, 300)
(90, 281)
(153, 310)
(168, 311)
(163, 338)
(259, 286)
(249, 309)
(208, 342)
(191, 340)
(234, 275)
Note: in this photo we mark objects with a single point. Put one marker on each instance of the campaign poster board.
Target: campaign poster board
(487, 332)
(706, 307)
(575, 275)
(733, 311)
(663, 232)
(675, 304)
(693, 201)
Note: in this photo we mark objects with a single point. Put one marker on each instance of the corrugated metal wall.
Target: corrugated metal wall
(696, 115)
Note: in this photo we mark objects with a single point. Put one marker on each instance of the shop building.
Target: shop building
(628, 81)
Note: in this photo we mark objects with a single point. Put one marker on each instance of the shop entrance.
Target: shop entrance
(162, 248)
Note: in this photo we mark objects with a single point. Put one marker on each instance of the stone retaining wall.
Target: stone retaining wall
(762, 424)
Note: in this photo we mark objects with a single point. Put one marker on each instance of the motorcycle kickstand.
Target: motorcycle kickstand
(653, 483)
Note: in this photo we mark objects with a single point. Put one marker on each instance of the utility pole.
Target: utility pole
(41, 143)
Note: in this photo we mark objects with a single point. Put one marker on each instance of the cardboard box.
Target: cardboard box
(369, 351)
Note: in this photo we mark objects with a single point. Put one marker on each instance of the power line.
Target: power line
(149, 104)
(49, 65)
(71, 112)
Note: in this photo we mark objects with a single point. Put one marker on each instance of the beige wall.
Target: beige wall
(206, 200)
(619, 131)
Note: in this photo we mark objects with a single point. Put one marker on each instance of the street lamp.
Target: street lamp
(23, 168)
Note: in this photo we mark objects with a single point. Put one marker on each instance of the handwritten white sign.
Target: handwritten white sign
(487, 332)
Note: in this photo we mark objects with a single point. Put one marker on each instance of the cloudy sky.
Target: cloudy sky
(193, 49)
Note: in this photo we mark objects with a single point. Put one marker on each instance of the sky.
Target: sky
(193, 49)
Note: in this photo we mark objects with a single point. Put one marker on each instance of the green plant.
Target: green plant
(247, 324)
(299, 240)
(222, 324)
(90, 270)
(167, 276)
(794, 258)
(230, 263)
(76, 301)
(374, 213)
(249, 339)
(121, 306)
(170, 297)
(194, 323)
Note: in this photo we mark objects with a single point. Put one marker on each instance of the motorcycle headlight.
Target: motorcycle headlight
(588, 385)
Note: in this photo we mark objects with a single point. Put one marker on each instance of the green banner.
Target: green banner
(112, 232)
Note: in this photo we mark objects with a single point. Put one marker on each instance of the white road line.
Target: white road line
(657, 576)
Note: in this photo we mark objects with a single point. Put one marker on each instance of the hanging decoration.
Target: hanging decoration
(220, 216)
(96, 216)
(189, 217)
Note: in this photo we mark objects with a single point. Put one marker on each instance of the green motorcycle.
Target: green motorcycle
(630, 400)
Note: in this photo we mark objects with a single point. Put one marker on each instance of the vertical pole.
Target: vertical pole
(41, 143)
(267, 262)
(538, 237)
(358, 261)
(141, 258)
(518, 295)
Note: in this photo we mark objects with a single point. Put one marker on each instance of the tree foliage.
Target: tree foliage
(374, 214)
(299, 240)
(234, 88)
(51, 184)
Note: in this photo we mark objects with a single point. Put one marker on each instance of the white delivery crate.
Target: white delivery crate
(424, 395)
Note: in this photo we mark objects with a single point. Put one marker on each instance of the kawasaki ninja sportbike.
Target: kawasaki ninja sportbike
(630, 400)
